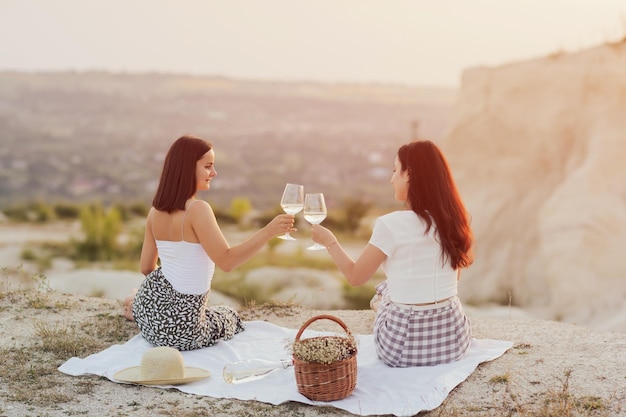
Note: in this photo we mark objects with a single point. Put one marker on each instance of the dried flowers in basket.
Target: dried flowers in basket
(325, 366)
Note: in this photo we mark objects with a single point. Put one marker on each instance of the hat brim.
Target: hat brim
(133, 375)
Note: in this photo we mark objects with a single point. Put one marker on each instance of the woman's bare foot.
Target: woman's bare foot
(128, 306)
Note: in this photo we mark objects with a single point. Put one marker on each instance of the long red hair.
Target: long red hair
(433, 196)
(178, 178)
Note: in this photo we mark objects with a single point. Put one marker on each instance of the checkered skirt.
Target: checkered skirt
(417, 336)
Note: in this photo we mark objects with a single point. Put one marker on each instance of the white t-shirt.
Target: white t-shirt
(413, 266)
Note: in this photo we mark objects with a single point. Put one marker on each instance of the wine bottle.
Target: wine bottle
(252, 369)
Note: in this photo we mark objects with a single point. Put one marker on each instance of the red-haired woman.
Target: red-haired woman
(419, 318)
(170, 307)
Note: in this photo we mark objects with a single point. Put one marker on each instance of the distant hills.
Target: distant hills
(102, 136)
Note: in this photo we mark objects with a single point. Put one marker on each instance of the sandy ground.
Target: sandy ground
(548, 361)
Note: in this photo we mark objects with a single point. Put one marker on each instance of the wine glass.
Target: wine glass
(291, 203)
(315, 212)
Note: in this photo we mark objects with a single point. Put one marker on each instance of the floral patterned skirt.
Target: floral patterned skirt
(167, 317)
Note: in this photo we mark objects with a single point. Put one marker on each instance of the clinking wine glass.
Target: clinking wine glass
(291, 203)
(315, 212)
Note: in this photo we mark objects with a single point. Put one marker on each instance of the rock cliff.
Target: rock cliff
(538, 150)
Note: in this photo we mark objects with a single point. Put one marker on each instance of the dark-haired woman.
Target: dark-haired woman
(419, 318)
(170, 306)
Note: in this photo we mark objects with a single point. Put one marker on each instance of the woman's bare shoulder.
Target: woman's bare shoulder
(199, 209)
(199, 205)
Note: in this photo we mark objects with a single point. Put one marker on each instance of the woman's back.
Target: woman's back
(184, 261)
(414, 269)
(172, 226)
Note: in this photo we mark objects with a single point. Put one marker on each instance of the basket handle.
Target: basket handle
(322, 316)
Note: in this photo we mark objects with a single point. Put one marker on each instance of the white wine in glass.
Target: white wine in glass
(291, 203)
(315, 212)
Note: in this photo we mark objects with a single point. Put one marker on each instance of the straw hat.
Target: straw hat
(161, 366)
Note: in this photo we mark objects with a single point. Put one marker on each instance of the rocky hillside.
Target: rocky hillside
(547, 372)
(538, 150)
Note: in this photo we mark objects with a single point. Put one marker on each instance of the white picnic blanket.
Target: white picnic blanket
(379, 389)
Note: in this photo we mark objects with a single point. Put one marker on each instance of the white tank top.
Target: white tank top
(185, 264)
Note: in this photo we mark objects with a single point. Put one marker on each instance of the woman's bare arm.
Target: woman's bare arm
(216, 246)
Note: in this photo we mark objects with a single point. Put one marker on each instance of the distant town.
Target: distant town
(100, 136)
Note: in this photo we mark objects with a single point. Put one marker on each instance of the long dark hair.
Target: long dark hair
(178, 178)
(433, 196)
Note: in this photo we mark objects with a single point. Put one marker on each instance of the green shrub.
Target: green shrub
(35, 211)
(101, 230)
(239, 208)
(67, 211)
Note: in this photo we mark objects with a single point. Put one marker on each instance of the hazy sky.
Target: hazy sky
(418, 42)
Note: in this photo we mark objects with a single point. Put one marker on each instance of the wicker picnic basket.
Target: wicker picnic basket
(321, 381)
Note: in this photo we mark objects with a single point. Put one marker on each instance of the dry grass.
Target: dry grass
(559, 402)
(30, 365)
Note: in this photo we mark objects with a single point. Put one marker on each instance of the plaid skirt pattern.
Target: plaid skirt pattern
(167, 317)
(407, 335)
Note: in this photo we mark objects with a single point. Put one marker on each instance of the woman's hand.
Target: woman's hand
(357, 273)
(322, 235)
(281, 224)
